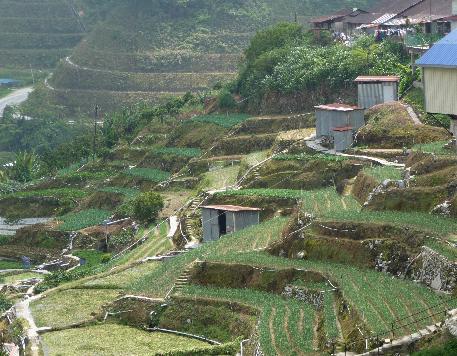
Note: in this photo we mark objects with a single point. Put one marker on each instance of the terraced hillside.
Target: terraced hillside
(148, 50)
(326, 270)
(35, 35)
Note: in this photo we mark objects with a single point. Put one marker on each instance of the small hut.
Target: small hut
(218, 220)
(374, 90)
(337, 115)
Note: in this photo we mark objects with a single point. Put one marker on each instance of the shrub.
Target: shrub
(106, 257)
(146, 206)
(225, 100)
(226, 121)
(446, 349)
(5, 304)
(151, 174)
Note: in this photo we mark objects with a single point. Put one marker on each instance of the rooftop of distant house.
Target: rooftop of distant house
(393, 12)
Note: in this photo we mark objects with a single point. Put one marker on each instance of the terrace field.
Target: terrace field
(107, 339)
(30, 40)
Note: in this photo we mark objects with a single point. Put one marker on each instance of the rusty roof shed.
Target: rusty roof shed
(218, 220)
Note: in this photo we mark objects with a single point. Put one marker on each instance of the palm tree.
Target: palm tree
(25, 167)
(3, 177)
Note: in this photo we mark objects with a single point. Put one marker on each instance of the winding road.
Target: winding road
(15, 98)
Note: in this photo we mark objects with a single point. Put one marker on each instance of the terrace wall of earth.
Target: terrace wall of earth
(238, 276)
(217, 320)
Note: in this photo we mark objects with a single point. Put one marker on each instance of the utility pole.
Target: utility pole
(31, 70)
(95, 131)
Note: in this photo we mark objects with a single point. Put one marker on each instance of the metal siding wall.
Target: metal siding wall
(245, 219)
(356, 119)
(231, 222)
(370, 95)
(210, 223)
(388, 91)
(454, 127)
(342, 140)
(323, 127)
(440, 86)
(318, 124)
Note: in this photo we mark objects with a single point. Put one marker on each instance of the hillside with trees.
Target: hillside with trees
(148, 50)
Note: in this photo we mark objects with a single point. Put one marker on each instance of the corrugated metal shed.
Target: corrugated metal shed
(337, 115)
(442, 55)
(218, 220)
(374, 90)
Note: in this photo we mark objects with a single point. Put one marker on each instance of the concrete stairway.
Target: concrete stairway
(182, 281)
(190, 216)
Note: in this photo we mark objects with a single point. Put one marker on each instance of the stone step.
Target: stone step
(424, 332)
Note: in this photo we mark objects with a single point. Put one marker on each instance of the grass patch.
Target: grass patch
(113, 339)
(10, 265)
(79, 220)
(67, 193)
(378, 296)
(274, 331)
(270, 193)
(92, 257)
(220, 178)
(13, 278)
(381, 173)
(70, 306)
(5, 91)
(436, 148)
(151, 174)
(442, 248)
(128, 192)
(226, 121)
(179, 151)
(328, 204)
(122, 279)
(305, 156)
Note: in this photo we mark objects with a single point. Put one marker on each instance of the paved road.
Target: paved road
(16, 97)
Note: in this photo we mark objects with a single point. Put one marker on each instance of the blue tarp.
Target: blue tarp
(442, 54)
(5, 81)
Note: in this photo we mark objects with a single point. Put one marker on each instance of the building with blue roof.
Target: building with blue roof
(6, 82)
(439, 78)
